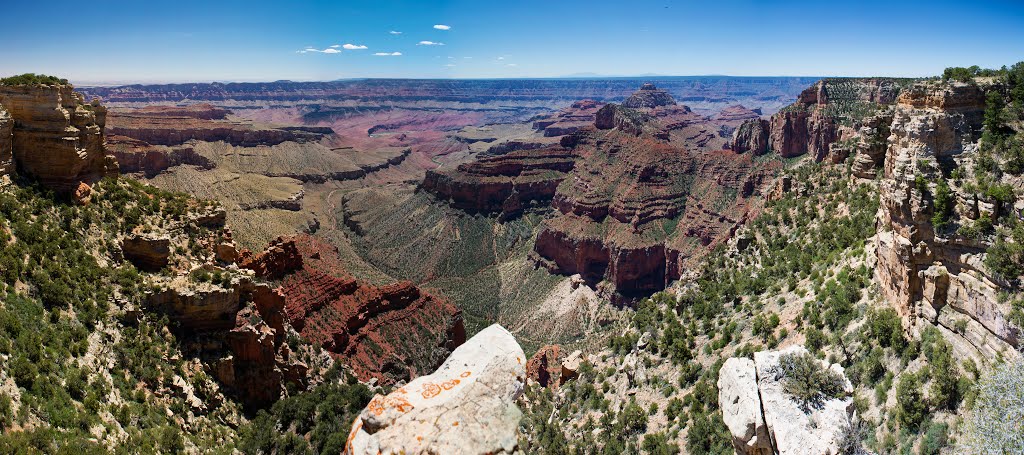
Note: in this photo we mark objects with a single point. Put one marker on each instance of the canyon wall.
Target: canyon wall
(935, 276)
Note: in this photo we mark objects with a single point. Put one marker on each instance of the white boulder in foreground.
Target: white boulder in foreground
(764, 419)
(467, 406)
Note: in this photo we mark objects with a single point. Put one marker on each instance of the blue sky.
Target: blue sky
(258, 40)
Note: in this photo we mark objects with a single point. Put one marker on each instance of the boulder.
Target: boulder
(741, 407)
(467, 406)
(543, 368)
(755, 405)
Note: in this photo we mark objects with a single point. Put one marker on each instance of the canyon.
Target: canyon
(650, 256)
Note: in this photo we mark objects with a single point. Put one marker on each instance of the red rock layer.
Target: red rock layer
(502, 184)
(392, 333)
(545, 366)
(635, 210)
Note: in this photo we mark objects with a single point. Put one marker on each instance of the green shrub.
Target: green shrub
(807, 381)
(33, 79)
(910, 406)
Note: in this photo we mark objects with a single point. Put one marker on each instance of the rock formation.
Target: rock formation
(57, 137)
(467, 406)
(611, 207)
(751, 136)
(391, 333)
(6, 142)
(814, 122)
(568, 120)
(172, 125)
(649, 97)
(764, 419)
(933, 277)
(551, 367)
(503, 184)
(148, 251)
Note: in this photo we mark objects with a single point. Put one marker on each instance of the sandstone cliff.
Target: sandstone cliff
(6, 142)
(823, 115)
(937, 276)
(57, 137)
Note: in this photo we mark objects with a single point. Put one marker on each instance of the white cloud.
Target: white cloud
(501, 58)
(443, 27)
(388, 54)
(335, 46)
(429, 43)
(329, 50)
(512, 64)
(450, 65)
(353, 47)
(395, 32)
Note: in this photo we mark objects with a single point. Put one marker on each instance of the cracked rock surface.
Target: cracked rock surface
(467, 406)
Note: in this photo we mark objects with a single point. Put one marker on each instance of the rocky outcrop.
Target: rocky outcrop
(552, 367)
(57, 138)
(467, 406)
(199, 306)
(872, 143)
(6, 142)
(812, 124)
(504, 184)
(392, 333)
(134, 156)
(611, 207)
(147, 251)
(649, 97)
(569, 120)
(764, 419)
(938, 278)
(751, 136)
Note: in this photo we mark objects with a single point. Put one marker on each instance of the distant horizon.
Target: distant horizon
(568, 77)
(261, 40)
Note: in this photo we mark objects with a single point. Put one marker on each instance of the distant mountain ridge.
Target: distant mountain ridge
(773, 92)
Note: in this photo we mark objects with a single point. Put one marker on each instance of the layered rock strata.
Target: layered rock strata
(504, 184)
(392, 333)
(56, 137)
(6, 142)
(467, 406)
(649, 96)
(938, 278)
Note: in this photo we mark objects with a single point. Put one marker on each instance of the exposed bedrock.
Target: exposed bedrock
(468, 406)
(763, 419)
(503, 184)
(938, 278)
(54, 136)
(393, 332)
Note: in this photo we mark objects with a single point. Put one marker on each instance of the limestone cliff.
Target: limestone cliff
(57, 137)
(6, 146)
(937, 276)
